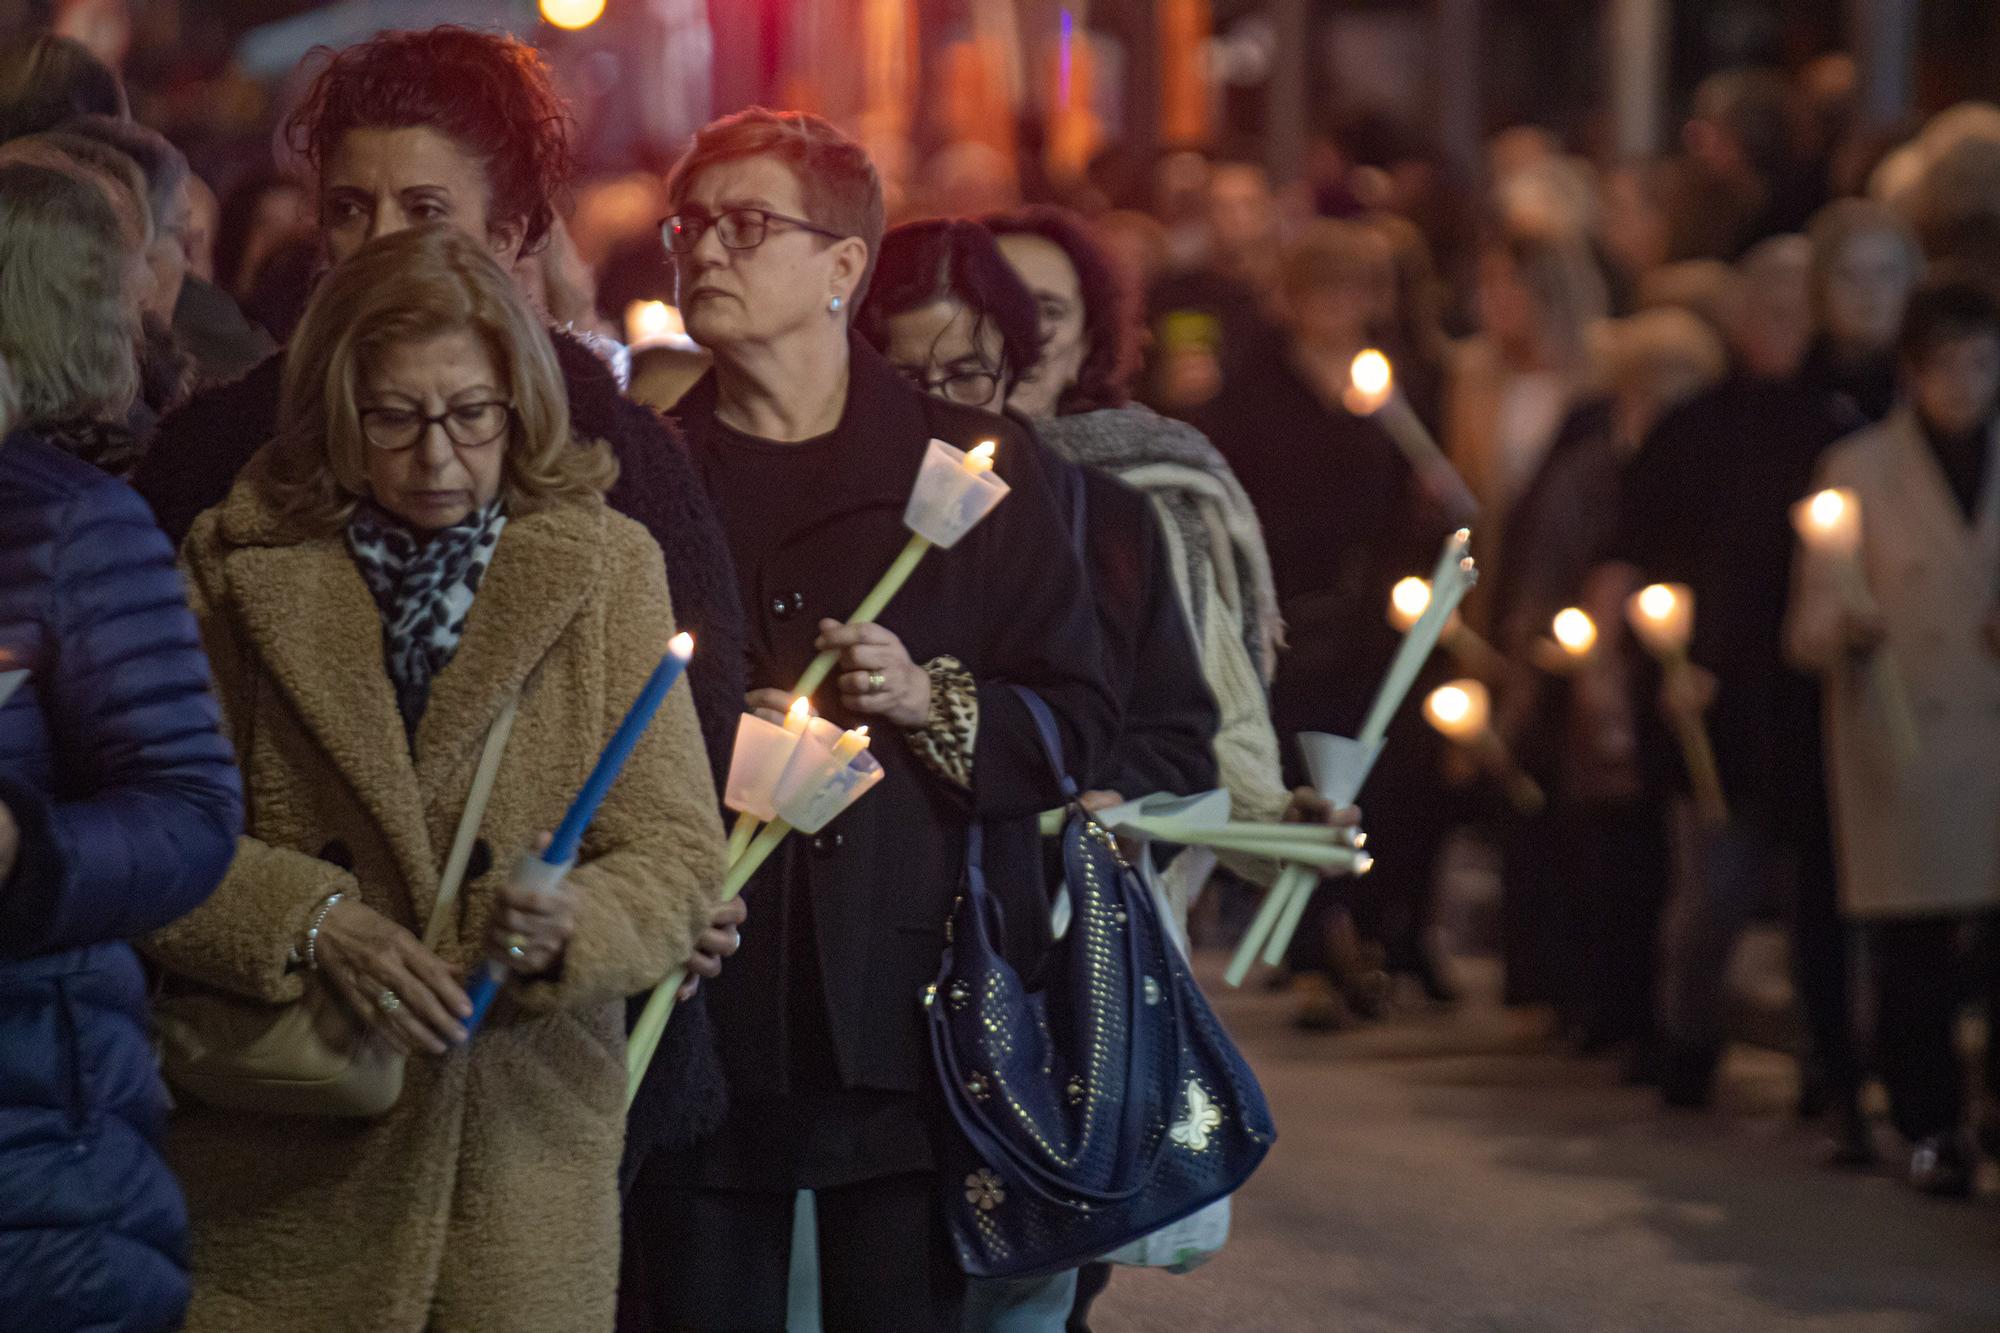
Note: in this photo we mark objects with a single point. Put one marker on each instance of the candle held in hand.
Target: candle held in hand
(1830, 523)
(569, 834)
(1371, 383)
(1459, 710)
(850, 743)
(1575, 631)
(1662, 615)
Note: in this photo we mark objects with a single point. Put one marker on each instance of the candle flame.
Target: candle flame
(681, 645)
(1827, 508)
(1408, 601)
(1363, 864)
(1371, 381)
(652, 321)
(798, 714)
(1575, 631)
(861, 731)
(980, 457)
(1459, 709)
(1657, 602)
(1450, 704)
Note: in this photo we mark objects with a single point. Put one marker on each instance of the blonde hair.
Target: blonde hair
(412, 286)
(64, 325)
(1663, 352)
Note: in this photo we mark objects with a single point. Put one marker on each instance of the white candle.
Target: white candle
(1830, 523)
(850, 744)
(1463, 711)
(1662, 615)
(1407, 602)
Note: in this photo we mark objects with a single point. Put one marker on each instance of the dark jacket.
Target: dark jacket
(198, 451)
(1707, 502)
(113, 765)
(1166, 742)
(1009, 602)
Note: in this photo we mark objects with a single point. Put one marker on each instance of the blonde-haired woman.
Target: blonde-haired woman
(421, 543)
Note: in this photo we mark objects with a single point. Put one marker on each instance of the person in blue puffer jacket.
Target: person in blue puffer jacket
(119, 809)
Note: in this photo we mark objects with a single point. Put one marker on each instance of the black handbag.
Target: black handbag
(1100, 1109)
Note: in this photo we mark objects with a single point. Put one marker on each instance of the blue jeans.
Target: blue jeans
(1020, 1305)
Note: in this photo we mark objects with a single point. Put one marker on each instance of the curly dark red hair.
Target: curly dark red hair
(486, 91)
(1104, 380)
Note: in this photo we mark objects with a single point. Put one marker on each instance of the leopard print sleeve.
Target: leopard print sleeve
(944, 743)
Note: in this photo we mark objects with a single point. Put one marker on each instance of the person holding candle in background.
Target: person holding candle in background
(1706, 504)
(809, 442)
(1918, 840)
(422, 543)
(1570, 719)
(1344, 517)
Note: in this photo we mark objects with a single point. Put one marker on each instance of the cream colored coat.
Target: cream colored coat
(486, 1200)
(1922, 838)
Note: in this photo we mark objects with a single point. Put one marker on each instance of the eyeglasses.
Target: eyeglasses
(468, 426)
(967, 388)
(736, 228)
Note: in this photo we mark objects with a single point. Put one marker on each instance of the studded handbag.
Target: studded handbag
(1101, 1108)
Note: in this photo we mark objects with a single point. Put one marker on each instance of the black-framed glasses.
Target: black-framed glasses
(736, 228)
(967, 388)
(468, 425)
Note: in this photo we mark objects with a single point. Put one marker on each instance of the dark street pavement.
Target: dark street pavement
(1448, 1171)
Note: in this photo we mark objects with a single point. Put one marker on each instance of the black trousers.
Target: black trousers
(1926, 968)
(718, 1261)
(1613, 868)
(1823, 959)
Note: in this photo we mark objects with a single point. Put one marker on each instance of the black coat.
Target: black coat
(1707, 503)
(1010, 603)
(1167, 740)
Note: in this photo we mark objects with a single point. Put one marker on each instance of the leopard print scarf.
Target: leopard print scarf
(423, 590)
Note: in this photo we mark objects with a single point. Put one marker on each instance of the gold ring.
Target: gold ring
(876, 682)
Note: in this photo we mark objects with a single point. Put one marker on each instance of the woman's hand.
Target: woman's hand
(877, 677)
(1309, 807)
(721, 940)
(396, 985)
(532, 928)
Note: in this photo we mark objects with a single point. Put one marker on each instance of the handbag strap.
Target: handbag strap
(1045, 727)
(468, 823)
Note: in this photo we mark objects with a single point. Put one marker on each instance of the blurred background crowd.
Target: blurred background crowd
(1649, 276)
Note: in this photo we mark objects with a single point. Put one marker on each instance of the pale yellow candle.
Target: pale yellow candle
(1829, 525)
(850, 744)
(1662, 616)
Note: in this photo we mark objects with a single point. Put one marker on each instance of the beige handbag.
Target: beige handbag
(312, 1056)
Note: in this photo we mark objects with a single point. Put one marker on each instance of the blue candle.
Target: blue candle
(568, 836)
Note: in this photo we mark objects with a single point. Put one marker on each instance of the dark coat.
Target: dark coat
(198, 451)
(113, 764)
(1707, 502)
(1009, 602)
(1166, 743)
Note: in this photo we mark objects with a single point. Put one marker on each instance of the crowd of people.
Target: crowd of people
(438, 508)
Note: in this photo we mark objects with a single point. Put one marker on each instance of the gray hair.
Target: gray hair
(65, 327)
(164, 166)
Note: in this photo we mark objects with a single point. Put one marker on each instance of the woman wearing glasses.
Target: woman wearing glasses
(425, 540)
(809, 442)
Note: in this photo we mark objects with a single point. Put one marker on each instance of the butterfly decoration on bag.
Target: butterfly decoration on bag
(1202, 1119)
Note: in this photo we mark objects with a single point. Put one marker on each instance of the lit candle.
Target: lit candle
(850, 744)
(1462, 712)
(1575, 631)
(1662, 617)
(1829, 525)
(1371, 392)
(954, 491)
(568, 836)
(1407, 602)
(1450, 581)
(648, 322)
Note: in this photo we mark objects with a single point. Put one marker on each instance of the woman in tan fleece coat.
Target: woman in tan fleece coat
(421, 542)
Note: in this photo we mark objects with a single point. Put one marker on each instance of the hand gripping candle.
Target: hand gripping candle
(822, 779)
(1829, 525)
(955, 489)
(1462, 712)
(542, 872)
(1662, 617)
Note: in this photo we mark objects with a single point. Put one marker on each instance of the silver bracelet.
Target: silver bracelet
(326, 905)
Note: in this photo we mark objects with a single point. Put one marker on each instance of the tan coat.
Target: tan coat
(486, 1200)
(1926, 839)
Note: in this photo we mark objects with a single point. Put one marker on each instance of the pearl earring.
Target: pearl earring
(834, 305)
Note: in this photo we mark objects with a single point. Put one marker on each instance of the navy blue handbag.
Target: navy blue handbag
(1101, 1108)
